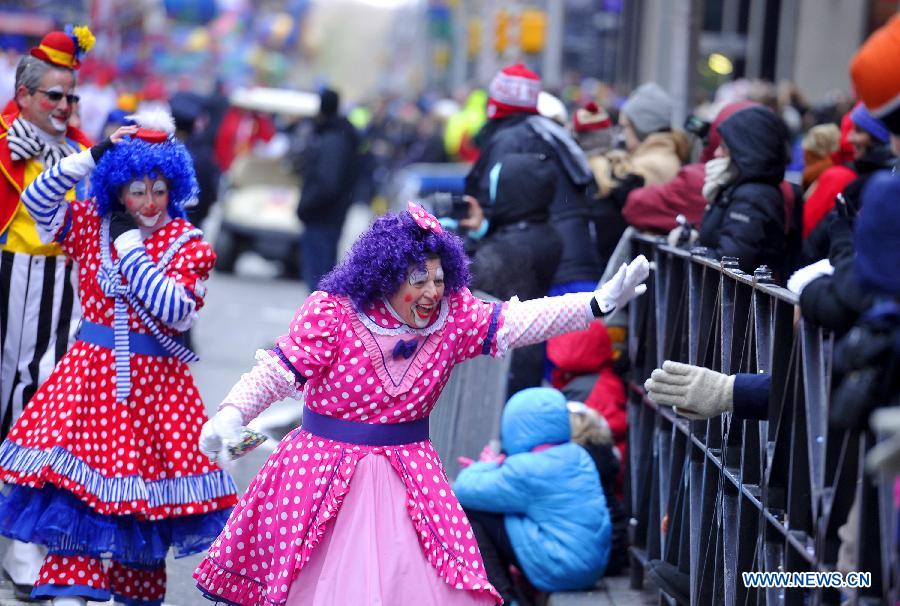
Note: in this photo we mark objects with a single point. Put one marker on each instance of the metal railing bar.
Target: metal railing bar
(738, 495)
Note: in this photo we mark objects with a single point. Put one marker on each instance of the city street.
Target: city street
(244, 312)
(242, 315)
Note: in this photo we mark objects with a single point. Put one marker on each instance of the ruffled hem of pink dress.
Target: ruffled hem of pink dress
(369, 554)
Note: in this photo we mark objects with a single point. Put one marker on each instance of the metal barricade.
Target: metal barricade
(467, 415)
(726, 496)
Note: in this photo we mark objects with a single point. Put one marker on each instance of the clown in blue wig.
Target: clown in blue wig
(108, 523)
(154, 152)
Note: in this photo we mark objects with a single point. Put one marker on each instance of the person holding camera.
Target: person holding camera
(518, 250)
(514, 126)
(103, 467)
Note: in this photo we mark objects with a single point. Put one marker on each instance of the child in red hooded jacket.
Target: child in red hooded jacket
(584, 372)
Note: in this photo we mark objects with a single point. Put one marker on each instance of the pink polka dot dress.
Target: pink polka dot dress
(336, 520)
(123, 477)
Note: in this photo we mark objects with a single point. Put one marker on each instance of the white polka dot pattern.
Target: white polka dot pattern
(534, 321)
(284, 513)
(151, 437)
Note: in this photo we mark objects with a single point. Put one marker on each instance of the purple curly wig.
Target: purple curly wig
(133, 159)
(380, 259)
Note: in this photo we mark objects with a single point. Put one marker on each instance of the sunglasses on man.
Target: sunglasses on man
(55, 96)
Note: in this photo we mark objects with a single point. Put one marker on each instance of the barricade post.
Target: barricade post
(722, 497)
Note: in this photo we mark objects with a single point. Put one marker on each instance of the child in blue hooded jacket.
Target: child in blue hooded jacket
(541, 508)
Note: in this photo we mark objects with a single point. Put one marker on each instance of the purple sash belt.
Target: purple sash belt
(366, 434)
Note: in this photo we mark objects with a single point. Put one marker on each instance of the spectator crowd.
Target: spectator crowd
(549, 202)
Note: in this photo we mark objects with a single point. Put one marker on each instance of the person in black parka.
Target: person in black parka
(745, 217)
(520, 252)
(515, 127)
(329, 168)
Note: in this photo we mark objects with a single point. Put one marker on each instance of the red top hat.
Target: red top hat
(64, 49)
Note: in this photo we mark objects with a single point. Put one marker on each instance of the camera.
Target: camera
(697, 126)
(445, 204)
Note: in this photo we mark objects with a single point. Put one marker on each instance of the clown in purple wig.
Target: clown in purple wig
(361, 492)
(380, 260)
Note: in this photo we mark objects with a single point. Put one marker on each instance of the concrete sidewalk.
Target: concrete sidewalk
(613, 592)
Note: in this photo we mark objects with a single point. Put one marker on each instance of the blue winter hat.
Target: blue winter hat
(876, 235)
(869, 123)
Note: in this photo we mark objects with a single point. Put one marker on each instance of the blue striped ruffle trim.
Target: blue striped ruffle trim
(169, 491)
(56, 518)
(47, 592)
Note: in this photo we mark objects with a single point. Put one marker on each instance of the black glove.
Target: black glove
(101, 148)
(626, 185)
(120, 221)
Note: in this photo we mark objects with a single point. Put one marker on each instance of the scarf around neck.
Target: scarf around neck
(26, 142)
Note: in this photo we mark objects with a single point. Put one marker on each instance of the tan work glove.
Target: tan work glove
(693, 391)
(885, 456)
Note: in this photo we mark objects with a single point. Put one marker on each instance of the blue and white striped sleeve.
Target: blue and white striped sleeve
(163, 296)
(45, 197)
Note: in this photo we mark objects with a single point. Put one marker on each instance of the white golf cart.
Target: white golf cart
(261, 193)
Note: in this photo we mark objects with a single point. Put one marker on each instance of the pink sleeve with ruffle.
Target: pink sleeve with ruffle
(310, 346)
(266, 383)
(534, 321)
(306, 350)
(473, 325)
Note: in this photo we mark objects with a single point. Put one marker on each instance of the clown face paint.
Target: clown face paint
(37, 107)
(418, 299)
(147, 200)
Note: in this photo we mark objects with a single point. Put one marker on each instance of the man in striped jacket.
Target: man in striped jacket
(36, 294)
(37, 298)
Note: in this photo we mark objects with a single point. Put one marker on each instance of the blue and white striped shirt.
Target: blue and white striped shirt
(161, 295)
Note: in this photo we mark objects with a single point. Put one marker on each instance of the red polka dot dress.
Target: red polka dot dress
(98, 477)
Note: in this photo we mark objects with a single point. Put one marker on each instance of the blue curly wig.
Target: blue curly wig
(135, 159)
(380, 259)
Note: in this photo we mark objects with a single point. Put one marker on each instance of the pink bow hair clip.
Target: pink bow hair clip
(423, 218)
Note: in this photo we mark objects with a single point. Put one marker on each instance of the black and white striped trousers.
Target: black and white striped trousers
(37, 301)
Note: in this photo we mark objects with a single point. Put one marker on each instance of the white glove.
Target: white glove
(625, 285)
(223, 429)
(717, 173)
(803, 276)
(885, 456)
(695, 392)
(128, 241)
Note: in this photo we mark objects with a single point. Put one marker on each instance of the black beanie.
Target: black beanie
(329, 101)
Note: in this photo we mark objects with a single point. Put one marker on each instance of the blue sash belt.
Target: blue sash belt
(138, 343)
(366, 434)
